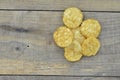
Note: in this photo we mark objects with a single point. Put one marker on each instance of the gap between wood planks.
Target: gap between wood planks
(54, 75)
(55, 10)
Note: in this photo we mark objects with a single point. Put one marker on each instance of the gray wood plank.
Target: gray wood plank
(86, 5)
(27, 46)
(55, 78)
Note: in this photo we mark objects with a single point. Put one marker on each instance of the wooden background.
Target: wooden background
(27, 46)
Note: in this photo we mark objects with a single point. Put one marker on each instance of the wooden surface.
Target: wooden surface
(55, 78)
(86, 5)
(27, 46)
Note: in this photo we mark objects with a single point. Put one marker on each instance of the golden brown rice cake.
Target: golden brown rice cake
(72, 17)
(90, 46)
(78, 36)
(90, 28)
(73, 52)
(63, 36)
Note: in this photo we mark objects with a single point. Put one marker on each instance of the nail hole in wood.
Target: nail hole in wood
(17, 48)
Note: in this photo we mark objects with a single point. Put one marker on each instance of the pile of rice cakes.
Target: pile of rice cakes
(78, 37)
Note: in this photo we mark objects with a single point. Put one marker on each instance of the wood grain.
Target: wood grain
(55, 78)
(86, 5)
(27, 46)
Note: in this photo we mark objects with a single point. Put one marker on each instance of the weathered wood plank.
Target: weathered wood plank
(27, 46)
(86, 5)
(55, 78)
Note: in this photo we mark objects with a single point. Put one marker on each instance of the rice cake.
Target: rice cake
(90, 46)
(78, 36)
(63, 36)
(90, 28)
(73, 52)
(72, 17)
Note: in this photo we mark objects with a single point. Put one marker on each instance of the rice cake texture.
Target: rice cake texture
(72, 17)
(63, 36)
(90, 46)
(78, 36)
(90, 28)
(73, 52)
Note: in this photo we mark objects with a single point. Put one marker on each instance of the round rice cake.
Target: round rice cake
(73, 52)
(72, 17)
(90, 28)
(90, 46)
(78, 36)
(63, 36)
